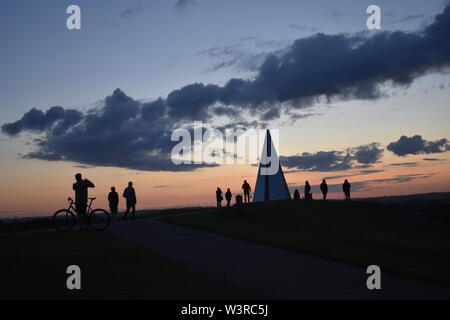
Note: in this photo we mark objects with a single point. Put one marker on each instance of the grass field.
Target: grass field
(398, 240)
(33, 266)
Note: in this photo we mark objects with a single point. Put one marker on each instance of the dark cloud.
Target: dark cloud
(417, 145)
(320, 161)
(332, 66)
(404, 164)
(341, 67)
(370, 171)
(433, 159)
(192, 101)
(326, 161)
(56, 119)
(397, 179)
(153, 110)
(368, 154)
(123, 132)
(127, 133)
(360, 173)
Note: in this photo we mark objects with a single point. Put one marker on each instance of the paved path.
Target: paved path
(267, 272)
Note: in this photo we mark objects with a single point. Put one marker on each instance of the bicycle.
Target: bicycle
(65, 219)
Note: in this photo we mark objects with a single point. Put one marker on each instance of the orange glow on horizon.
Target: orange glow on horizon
(43, 187)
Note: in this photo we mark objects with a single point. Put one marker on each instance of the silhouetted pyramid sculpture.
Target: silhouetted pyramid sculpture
(270, 186)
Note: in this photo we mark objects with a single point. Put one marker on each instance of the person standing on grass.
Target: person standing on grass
(324, 189)
(307, 190)
(81, 187)
(296, 195)
(219, 197)
(113, 199)
(130, 195)
(228, 196)
(246, 187)
(346, 188)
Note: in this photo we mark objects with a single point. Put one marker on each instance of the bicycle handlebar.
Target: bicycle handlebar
(70, 199)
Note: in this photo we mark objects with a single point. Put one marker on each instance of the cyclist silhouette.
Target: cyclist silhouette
(81, 193)
(81, 187)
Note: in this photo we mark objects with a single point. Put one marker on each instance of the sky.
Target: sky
(367, 105)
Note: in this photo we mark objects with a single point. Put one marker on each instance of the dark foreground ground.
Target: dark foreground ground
(401, 240)
(268, 272)
(33, 266)
(278, 250)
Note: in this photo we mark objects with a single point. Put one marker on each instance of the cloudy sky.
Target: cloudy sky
(367, 105)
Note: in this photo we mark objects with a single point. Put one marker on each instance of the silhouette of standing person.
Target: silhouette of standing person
(130, 195)
(346, 188)
(307, 190)
(219, 197)
(228, 196)
(113, 199)
(81, 196)
(246, 187)
(324, 189)
(296, 195)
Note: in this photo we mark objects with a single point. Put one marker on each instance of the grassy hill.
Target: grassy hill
(400, 240)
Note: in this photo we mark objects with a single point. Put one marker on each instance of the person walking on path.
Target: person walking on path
(130, 195)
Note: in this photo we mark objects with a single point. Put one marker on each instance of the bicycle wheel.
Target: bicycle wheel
(64, 220)
(99, 219)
